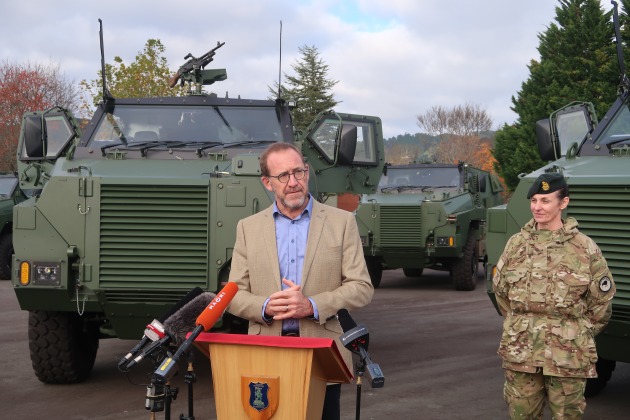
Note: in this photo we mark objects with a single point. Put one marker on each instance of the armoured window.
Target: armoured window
(431, 177)
(325, 139)
(618, 129)
(188, 124)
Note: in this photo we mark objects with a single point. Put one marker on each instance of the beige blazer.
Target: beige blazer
(334, 273)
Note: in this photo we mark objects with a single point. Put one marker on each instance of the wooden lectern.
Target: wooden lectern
(263, 377)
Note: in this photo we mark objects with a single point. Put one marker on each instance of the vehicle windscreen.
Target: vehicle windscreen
(618, 130)
(191, 125)
(7, 186)
(420, 178)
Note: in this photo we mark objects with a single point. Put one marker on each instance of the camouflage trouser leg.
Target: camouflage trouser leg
(566, 397)
(525, 394)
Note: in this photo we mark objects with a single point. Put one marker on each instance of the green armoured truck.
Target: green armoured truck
(141, 206)
(428, 215)
(594, 157)
(10, 195)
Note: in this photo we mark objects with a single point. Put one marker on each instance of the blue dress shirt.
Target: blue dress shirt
(291, 238)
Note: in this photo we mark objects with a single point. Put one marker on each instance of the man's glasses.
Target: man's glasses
(298, 174)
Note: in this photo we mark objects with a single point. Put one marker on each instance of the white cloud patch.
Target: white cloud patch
(393, 58)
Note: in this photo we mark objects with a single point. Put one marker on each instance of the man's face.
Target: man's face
(291, 197)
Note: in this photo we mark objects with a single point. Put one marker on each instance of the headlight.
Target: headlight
(46, 274)
(445, 241)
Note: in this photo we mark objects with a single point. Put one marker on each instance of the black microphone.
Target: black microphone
(206, 319)
(150, 349)
(356, 338)
(156, 324)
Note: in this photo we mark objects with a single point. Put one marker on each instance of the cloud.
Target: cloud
(394, 59)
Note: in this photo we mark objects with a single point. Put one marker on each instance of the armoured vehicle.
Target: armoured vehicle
(141, 206)
(594, 157)
(10, 195)
(428, 215)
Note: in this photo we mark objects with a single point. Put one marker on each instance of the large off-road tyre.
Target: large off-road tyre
(605, 369)
(412, 272)
(6, 255)
(375, 269)
(465, 270)
(63, 347)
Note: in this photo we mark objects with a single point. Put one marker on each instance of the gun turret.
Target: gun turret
(192, 72)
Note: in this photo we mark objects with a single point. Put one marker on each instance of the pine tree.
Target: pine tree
(577, 63)
(309, 88)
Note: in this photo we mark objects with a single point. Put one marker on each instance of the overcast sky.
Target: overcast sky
(393, 58)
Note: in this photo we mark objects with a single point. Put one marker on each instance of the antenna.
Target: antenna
(624, 82)
(280, 65)
(106, 95)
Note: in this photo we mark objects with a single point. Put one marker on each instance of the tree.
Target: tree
(28, 87)
(577, 63)
(461, 120)
(460, 130)
(402, 153)
(309, 88)
(147, 76)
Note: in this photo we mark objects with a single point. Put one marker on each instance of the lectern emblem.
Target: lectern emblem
(258, 395)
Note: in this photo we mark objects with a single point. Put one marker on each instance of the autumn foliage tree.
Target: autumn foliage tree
(146, 77)
(459, 128)
(23, 88)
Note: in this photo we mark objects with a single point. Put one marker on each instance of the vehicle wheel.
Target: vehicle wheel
(464, 271)
(605, 369)
(412, 272)
(63, 348)
(375, 269)
(6, 256)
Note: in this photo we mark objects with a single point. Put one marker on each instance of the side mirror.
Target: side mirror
(544, 140)
(33, 137)
(347, 144)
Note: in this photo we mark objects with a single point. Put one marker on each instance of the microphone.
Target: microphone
(184, 321)
(356, 338)
(155, 330)
(205, 321)
(176, 326)
(150, 349)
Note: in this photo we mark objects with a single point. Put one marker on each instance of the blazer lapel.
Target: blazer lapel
(314, 235)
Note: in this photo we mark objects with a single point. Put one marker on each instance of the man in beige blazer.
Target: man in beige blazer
(298, 262)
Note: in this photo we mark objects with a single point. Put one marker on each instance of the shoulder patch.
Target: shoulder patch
(605, 284)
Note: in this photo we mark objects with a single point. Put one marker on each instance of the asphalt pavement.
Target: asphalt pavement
(435, 346)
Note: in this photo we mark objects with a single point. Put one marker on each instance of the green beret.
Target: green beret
(547, 183)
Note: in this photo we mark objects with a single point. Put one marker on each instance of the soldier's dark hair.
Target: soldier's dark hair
(563, 192)
(276, 147)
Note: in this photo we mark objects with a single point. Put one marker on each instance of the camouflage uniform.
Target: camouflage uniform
(554, 289)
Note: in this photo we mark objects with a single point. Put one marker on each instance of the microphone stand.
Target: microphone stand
(190, 378)
(159, 398)
(360, 368)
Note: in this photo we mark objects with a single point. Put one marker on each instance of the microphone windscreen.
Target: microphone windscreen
(184, 321)
(345, 320)
(183, 301)
(215, 308)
